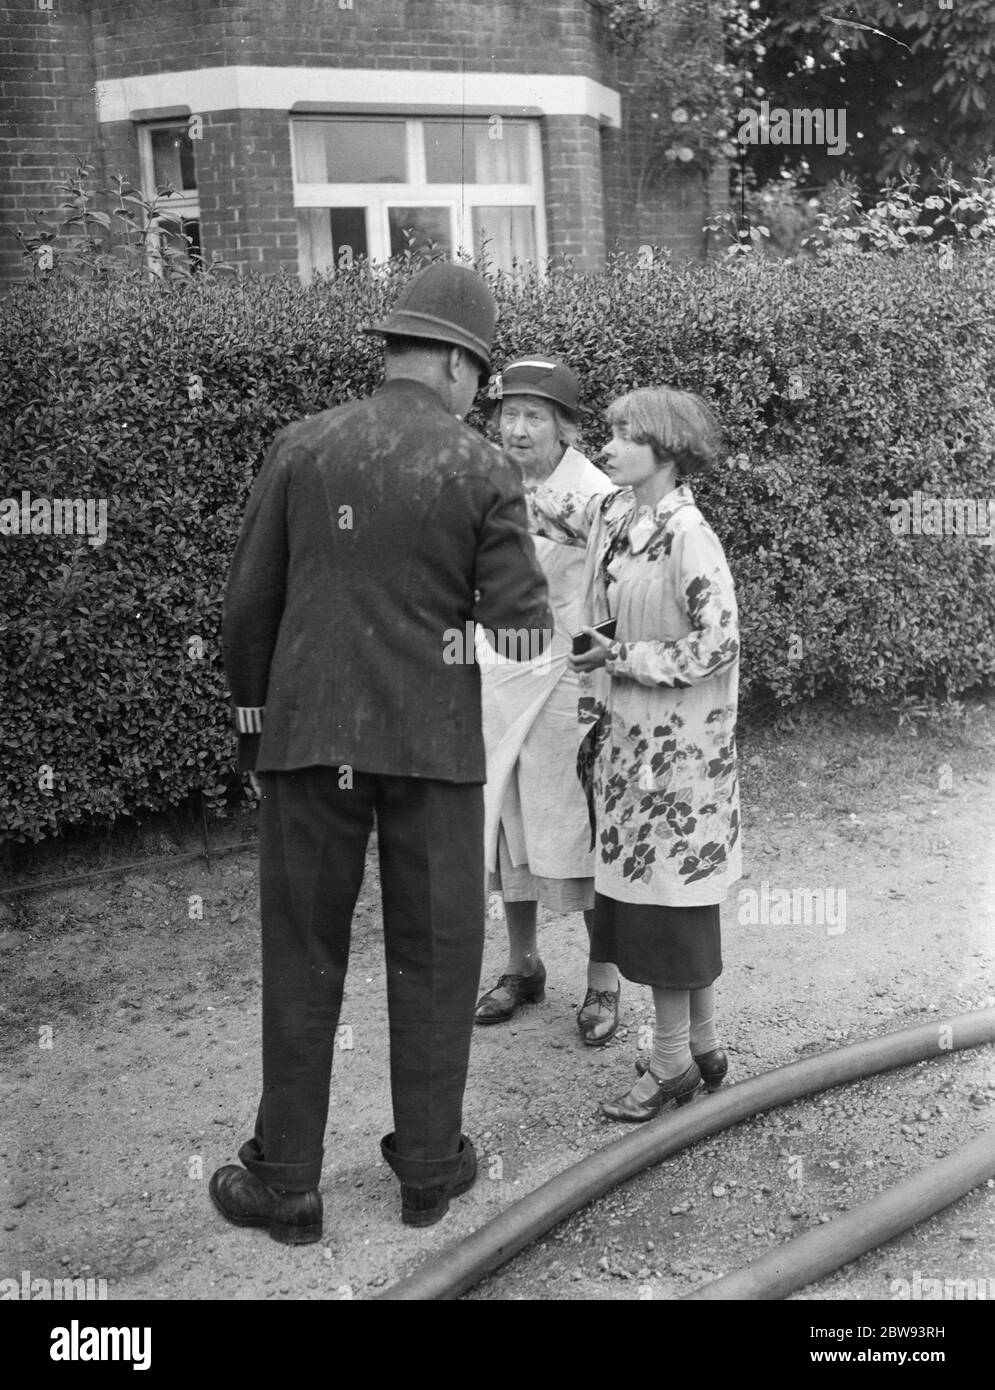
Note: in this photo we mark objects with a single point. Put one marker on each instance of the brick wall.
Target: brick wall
(136, 36)
(575, 222)
(647, 201)
(246, 191)
(47, 111)
(644, 210)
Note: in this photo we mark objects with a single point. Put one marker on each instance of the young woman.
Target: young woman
(665, 781)
(537, 834)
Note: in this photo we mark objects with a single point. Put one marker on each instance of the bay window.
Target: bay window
(375, 186)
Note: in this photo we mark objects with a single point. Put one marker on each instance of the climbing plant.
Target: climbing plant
(687, 63)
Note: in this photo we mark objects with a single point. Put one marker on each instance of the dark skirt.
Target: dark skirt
(670, 947)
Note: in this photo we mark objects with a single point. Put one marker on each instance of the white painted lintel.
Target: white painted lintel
(359, 89)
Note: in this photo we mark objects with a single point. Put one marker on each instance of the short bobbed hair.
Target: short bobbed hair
(677, 425)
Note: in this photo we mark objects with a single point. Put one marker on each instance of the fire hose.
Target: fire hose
(461, 1266)
(816, 1253)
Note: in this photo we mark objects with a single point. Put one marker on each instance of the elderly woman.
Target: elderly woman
(665, 783)
(536, 823)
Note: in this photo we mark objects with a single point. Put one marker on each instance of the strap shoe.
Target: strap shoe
(681, 1089)
(712, 1065)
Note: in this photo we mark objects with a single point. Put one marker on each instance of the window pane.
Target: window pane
(172, 157)
(494, 151)
(178, 239)
(194, 253)
(425, 231)
(502, 235)
(350, 151)
(348, 235)
(331, 238)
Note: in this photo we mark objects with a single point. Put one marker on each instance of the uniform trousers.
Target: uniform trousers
(313, 838)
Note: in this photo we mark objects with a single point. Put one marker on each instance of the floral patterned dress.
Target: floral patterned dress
(666, 787)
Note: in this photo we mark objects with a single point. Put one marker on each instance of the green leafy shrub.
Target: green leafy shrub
(161, 396)
(130, 237)
(843, 220)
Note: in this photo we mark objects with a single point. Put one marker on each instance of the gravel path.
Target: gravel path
(152, 1073)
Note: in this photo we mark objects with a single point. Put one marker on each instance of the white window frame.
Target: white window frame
(182, 204)
(460, 199)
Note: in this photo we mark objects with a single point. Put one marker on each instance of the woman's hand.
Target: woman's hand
(595, 656)
(255, 785)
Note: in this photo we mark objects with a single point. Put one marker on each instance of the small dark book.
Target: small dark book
(582, 640)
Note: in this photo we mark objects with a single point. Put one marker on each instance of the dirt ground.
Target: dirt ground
(129, 1036)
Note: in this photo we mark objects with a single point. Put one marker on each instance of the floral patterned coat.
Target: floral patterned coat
(666, 787)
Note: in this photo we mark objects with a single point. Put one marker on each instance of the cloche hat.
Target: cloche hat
(540, 376)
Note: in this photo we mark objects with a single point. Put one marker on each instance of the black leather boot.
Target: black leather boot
(293, 1218)
(427, 1184)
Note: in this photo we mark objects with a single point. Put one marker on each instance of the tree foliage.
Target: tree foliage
(915, 77)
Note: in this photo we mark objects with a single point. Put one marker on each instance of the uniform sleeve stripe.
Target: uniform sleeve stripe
(249, 718)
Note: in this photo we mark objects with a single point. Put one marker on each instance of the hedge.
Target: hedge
(162, 399)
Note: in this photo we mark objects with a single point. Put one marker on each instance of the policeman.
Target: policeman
(373, 531)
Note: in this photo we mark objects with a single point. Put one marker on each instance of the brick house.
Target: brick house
(299, 133)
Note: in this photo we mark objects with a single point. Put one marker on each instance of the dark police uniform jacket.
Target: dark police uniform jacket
(373, 533)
